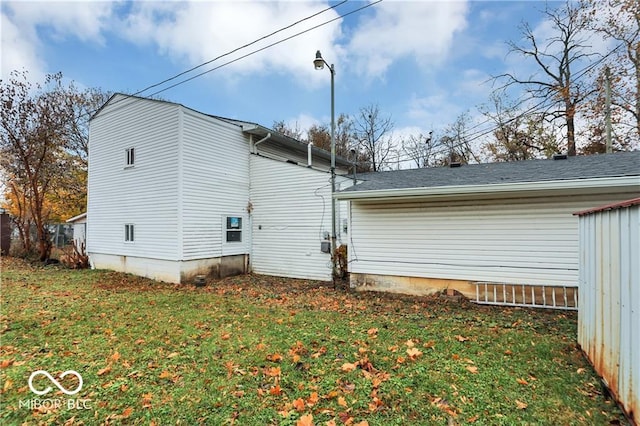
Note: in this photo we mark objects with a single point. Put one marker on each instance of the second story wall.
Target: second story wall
(133, 179)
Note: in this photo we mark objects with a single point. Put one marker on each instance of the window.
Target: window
(130, 157)
(128, 232)
(234, 229)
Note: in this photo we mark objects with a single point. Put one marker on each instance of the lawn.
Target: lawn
(256, 350)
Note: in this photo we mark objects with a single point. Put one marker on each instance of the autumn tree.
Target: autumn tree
(555, 57)
(619, 21)
(372, 133)
(44, 152)
(516, 136)
(287, 130)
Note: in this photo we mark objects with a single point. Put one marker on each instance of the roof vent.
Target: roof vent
(455, 164)
(559, 156)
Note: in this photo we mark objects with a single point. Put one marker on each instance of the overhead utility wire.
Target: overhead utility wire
(266, 47)
(127, 96)
(240, 48)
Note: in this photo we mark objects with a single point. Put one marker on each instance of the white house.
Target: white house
(500, 232)
(175, 193)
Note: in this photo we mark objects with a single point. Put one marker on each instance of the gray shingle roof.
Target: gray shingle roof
(580, 167)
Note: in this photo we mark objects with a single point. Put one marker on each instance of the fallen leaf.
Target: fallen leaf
(522, 381)
(580, 370)
(313, 399)
(362, 423)
(460, 338)
(409, 343)
(127, 412)
(372, 331)
(306, 420)
(521, 405)
(299, 404)
(104, 371)
(6, 363)
(165, 375)
(342, 402)
(347, 366)
(472, 369)
(274, 357)
(116, 356)
(173, 355)
(413, 353)
(330, 423)
(275, 390)
(429, 344)
(8, 384)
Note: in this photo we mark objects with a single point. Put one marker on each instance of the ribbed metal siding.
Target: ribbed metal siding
(609, 315)
(144, 195)
(522, 241)
(291, 210)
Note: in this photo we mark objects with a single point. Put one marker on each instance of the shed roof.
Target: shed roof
(574, 174)
(614, 206)
(579, 167)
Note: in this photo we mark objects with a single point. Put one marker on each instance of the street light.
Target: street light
(319, 64)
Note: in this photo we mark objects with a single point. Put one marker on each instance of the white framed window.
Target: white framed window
(130, 157)
(233, 229)
(128, 233)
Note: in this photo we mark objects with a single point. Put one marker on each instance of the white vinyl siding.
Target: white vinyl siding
(146, 194)
(291, 212)
(524, 241)
(215, 176)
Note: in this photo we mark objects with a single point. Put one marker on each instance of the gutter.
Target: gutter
(580, 185)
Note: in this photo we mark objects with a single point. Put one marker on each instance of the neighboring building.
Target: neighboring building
(507, 224)
(79, 223)
(175, 193)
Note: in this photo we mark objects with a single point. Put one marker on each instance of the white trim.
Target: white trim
(78, 217)
(496, 190)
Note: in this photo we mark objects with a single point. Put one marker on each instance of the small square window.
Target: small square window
(234, 229)
(128, 232)
(131, 158)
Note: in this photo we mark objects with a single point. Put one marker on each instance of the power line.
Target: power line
(267, 47)
(243, 56)
(239, 48)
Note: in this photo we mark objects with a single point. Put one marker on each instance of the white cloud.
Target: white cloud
(423, 30)
(201, 31)
(23, 23)
(19, 51)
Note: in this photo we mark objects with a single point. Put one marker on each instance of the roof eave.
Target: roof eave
(574, 186)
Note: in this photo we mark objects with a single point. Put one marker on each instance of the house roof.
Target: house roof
(77, 218)
(246, 126)
(487, 177)
(285, 141)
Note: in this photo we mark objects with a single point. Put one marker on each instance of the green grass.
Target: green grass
(256, 350)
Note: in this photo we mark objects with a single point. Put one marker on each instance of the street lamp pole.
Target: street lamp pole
(319, 64)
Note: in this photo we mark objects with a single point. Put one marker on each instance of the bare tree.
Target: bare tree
(372, 134)
(456, 143)
(421, 149)
(285, 129)
(555, 58)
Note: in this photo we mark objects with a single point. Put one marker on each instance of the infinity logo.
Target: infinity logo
(55, 382)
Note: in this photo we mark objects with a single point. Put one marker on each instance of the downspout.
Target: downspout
(255, 145)
(309, 146)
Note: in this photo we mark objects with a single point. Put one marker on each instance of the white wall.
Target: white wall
(215, 182)
(146, 194)
(291, 211)
(520, 241)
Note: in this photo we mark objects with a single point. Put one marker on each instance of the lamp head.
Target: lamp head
(318, 62)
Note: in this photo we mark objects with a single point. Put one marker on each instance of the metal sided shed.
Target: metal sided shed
(609, 287)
